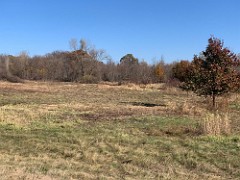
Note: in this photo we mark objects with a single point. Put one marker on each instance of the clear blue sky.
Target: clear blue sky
(149, 29)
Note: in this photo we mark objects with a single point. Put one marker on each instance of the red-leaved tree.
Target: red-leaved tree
(214, 72)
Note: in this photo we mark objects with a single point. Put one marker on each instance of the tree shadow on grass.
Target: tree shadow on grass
(144, 104)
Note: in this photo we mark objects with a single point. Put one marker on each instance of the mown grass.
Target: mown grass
(72, 131)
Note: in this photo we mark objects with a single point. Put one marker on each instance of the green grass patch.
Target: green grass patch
(123, 149)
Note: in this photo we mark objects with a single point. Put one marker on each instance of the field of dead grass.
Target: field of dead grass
(52, 130)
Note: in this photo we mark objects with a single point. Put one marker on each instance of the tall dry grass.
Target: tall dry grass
(216, 124)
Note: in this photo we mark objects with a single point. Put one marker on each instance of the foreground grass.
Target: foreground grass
(133, 149)
(90, 132)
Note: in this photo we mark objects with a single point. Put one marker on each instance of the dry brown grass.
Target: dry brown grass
(88, 131)
(216, 124)
(100, 102)
(103, 101)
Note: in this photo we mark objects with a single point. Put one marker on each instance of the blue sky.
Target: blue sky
(149, 29)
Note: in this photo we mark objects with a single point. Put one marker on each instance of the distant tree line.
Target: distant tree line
(87, 64)
(80, 66)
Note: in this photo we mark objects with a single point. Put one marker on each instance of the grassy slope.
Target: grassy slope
(63, 131)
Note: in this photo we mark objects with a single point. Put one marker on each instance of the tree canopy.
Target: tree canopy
(214, 72)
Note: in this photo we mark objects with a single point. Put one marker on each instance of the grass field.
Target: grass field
(76, 131)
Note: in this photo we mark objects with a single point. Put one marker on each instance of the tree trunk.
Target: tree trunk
(214, 101)
(7, 66)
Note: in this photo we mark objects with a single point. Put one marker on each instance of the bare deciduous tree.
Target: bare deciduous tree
(73, 44)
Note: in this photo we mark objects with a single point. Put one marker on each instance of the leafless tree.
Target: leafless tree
(73, 44)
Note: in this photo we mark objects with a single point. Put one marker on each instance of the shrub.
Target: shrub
(89, 79)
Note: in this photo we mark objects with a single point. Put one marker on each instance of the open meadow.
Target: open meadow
(51, 130)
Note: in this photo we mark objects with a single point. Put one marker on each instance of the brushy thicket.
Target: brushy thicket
(84, 67)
